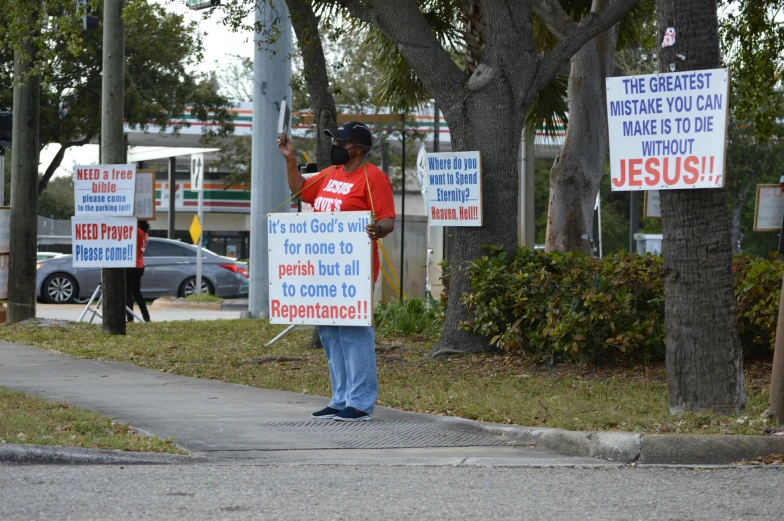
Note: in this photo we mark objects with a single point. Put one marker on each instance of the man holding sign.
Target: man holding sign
(350, 185)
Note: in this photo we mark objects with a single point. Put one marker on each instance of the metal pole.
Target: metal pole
(403, 208)
(271, 78)
(634, 220)
(776, 400)
(599, 216)
(2, 176)
(172, 180)
(201, 234)
(436, 128)
(113, 146)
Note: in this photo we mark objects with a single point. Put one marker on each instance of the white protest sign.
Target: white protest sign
(668, 131)
(454, 189)
(104, 190)
(5, 229)
(769, 208)
(108, 242)
(320, 269)
(4, 259)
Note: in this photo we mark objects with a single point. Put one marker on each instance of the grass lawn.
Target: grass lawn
(26, 419)
(493, 388)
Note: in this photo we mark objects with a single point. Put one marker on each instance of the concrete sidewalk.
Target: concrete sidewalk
(228, 421)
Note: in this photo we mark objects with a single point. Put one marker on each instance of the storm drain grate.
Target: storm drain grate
(387, 434)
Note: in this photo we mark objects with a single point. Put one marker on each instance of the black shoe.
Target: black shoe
(327, 413)
(350, 414)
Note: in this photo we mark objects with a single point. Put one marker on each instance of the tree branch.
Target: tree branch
(592, 24)
(555, 18)
(402, 22)
(57, 161)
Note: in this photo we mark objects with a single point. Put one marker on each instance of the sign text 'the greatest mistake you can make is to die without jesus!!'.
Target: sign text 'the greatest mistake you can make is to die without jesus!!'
(668, 131)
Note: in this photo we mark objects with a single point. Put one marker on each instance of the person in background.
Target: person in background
(350, 350)
(133, 276)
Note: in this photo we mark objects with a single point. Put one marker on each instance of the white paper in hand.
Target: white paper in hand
(284, 118)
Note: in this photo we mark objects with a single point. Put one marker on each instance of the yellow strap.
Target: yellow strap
(370, 194)
(303, 189)
(392, 283)
(389, 263)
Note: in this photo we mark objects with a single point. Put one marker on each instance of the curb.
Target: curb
(627, 447)
(15, 454)
(180, 303)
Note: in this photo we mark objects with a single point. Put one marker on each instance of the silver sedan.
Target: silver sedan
(170, 270)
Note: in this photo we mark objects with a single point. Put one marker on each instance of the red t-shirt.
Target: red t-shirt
(141, 245)
(334, 190)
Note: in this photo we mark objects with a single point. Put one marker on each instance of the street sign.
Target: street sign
(195, 229)
(197, 172)
(195, 5)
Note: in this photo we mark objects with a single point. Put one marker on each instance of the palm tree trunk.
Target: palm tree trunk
(704, 359)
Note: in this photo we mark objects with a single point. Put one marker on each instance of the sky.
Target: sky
(219, 42)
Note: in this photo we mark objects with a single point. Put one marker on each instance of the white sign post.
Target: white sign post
(108, 242)
(197, 185)
(668, 131)
(454, 189)
(320, 269)
(103, 190)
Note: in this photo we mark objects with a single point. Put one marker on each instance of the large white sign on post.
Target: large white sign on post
(769, 208)
(668, 131)
(144, 196)
(454, 189)
(320, 269)
(108, 242)
(103, 190)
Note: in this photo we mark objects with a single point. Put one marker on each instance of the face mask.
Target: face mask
(339, 155)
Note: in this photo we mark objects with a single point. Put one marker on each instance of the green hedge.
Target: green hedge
(569, 306)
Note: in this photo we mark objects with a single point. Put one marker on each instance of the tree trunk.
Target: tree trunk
(305, 24)
(113, 148)
(24, 184)
(497, 141)
(578, 169)
(704, 359)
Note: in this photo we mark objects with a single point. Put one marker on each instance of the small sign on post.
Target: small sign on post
(454, 189)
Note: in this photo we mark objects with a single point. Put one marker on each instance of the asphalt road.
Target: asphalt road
(329, 492)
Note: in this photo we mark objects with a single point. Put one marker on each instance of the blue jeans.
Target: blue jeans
(351, 356)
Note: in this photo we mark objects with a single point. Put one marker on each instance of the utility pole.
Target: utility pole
(269, 188)
(113, 147)
(24, 178)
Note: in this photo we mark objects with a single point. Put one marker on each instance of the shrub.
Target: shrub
(569, 306)
(757, 284)
(408, 317)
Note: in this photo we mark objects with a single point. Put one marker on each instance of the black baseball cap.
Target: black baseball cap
(352, 131)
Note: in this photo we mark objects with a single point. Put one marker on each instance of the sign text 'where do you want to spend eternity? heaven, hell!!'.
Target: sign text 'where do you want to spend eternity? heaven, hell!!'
(320, 269)
(668, 131)
(454, 188)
